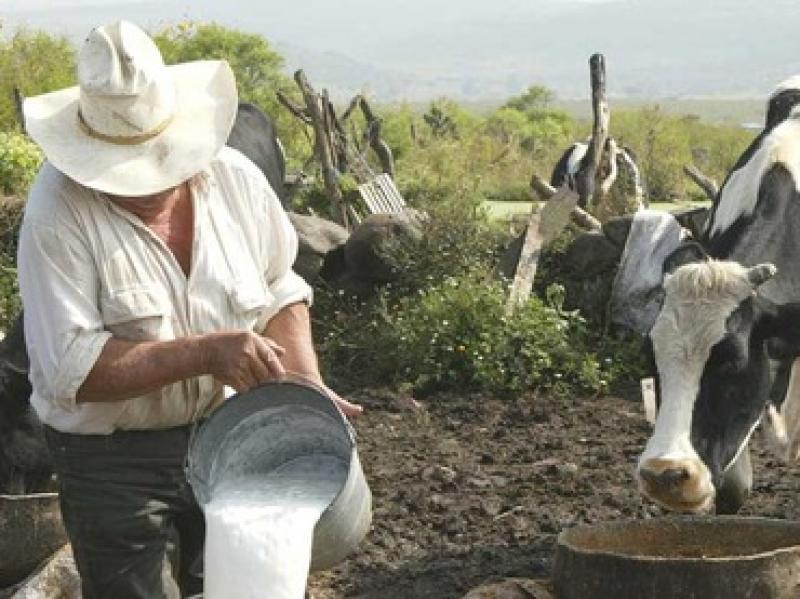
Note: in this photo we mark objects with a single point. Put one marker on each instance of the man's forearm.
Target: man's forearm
(291, 329)
(128, 369)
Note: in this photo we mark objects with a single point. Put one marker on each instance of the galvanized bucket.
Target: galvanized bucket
(290, 419)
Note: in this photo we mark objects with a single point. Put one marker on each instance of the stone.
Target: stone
(57, 578)
(513, 588)
(591, 253)
(317, 239)
(365, 257)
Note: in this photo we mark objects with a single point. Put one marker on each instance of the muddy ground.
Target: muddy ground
(469, 489)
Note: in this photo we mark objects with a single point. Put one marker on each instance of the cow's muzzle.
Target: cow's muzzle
(682, 485)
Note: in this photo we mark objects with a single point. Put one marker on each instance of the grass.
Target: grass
(500, 210)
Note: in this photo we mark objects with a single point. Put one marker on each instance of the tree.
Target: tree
(530, 119)
(35, 62)
(255, 63)
(536, 98)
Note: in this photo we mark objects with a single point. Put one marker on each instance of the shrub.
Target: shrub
(20, 160)
(443, 324)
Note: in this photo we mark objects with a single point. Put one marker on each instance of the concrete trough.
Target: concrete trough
(687, 558)
(30, 532)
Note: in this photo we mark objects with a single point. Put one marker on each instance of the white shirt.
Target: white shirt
(90, 270)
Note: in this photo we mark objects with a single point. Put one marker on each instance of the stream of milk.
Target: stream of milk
(259, 533)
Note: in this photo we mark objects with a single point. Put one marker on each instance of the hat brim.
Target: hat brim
(206, 104)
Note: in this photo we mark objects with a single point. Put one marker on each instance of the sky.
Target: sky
(485, 50)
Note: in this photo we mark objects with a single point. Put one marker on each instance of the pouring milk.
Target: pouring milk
(259, 533)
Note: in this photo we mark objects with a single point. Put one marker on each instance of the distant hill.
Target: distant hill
(484, 52)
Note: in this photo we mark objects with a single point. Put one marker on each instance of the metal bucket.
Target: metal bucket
(289, 419)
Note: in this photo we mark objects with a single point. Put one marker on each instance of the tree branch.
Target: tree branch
(295, 109)
(585, 177)
(579, 216)
(322, 147)
(707, 184)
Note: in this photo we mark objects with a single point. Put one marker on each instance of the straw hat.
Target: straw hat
(133, 126)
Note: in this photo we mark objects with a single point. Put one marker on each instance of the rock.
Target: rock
(443, 474)
(57, 578)
(364, 255)
(317, 239)
(591, 253)
(616, 230)
(513, 588)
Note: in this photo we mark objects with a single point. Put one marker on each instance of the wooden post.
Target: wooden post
(707, 184)
(18, 100)
(376, 142)
(322, 147)
(579, 216)
(543, 227)
(585, 177)
(298, 111)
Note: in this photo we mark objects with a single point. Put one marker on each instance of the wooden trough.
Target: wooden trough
(30, 531)
(687, 558)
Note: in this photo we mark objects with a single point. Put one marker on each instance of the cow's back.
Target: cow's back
(254, 135)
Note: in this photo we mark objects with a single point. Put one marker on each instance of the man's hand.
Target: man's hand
(348, 408)
(242, 359)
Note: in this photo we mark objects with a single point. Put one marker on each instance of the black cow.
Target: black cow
(730, 316)
(255, 136)
(25, 465)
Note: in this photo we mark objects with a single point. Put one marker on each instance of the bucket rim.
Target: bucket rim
(263, 394)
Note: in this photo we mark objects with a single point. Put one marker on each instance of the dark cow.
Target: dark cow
(730, 316)
(255, 136)
(25, 465)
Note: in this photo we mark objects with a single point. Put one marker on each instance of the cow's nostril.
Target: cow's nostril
(668, 477)
(674, 476)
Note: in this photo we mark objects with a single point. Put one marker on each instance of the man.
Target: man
(155, 269)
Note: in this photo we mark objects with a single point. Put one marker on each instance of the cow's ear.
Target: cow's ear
(780, 325)
(686, 253)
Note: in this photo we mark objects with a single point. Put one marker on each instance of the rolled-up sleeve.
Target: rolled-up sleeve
(63, 327)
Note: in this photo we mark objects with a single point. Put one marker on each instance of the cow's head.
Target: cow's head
(782, 102)
(710, 347)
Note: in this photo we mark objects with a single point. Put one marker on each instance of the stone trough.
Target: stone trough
(30, 532)
(686, 558)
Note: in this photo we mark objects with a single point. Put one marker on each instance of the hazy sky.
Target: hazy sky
(485, 49)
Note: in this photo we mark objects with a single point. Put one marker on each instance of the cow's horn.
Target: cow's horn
(760, 274)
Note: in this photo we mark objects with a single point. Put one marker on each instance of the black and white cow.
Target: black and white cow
(25, 465)
(574, 158)
(731, 313)
(254, 135)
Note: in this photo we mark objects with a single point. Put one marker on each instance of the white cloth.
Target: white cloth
(90, 270)
(637, 295)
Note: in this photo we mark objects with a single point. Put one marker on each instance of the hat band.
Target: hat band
(123, 140)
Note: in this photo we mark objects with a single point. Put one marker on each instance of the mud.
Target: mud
(471, 489)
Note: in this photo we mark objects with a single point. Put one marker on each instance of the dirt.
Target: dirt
(469, 490)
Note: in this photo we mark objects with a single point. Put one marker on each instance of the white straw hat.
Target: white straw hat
(134, 126)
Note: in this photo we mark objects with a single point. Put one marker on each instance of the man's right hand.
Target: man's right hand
(242, 359)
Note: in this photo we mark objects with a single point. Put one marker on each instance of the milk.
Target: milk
(259, 532)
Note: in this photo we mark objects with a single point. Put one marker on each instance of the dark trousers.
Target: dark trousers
(135, 527)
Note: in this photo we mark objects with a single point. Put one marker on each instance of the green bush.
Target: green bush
(443, 324)
(20, 160)
(456, 335)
